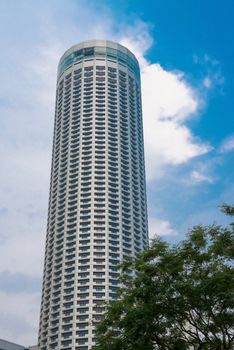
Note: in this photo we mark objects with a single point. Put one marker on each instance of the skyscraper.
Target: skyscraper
(97, 206)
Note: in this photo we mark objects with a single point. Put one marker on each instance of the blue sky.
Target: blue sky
(185, 49)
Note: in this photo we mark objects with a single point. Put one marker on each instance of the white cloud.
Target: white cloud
(138, 40)
(160, 227)
(198, 177)
(168, 102)
(227, 145)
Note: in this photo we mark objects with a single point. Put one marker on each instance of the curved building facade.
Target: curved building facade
(97, 206)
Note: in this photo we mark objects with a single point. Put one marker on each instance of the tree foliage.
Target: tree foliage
(178, 297)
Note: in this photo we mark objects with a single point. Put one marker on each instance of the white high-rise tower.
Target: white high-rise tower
(97, 207)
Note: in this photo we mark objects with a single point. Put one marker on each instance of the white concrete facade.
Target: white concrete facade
(97, 207)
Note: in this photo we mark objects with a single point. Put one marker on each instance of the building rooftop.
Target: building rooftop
(8, 345)
(102, 49)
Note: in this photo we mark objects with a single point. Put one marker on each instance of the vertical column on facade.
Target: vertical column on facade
(47, 281)
(100, 195)
(71, 287)
(85, 223)
(54, 293)
(135, 149)
(144, 228)
(113, 179)
(126, 172)
(62, 279)
(83, 246)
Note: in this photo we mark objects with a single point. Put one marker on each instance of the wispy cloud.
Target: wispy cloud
(196, 177)
(213, 76)
(227, 145)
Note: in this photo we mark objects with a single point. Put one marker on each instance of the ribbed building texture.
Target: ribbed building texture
(97, 206)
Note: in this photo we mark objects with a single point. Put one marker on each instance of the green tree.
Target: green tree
(179, 297)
